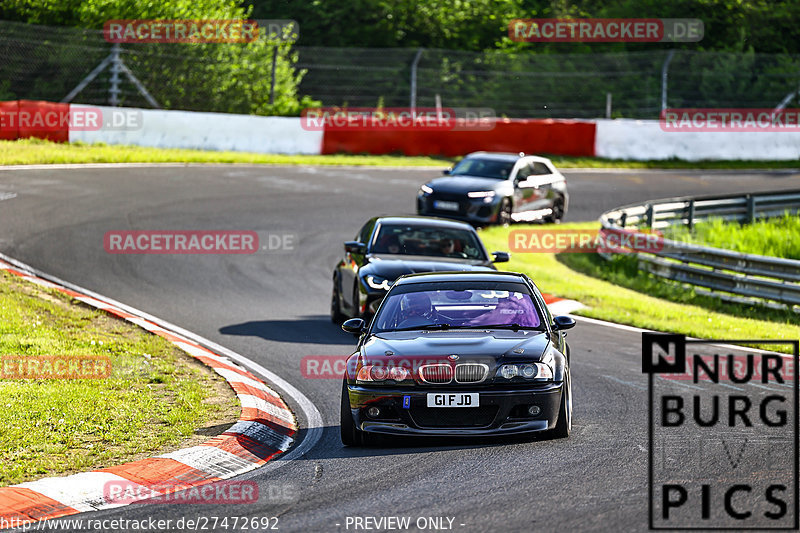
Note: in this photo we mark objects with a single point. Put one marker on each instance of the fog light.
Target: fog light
(373, 412)
(533, 410)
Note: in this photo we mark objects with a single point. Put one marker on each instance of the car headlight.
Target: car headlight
(424, 190)
(487, 196)
(528, 371)
(380, 373)
(375, 282)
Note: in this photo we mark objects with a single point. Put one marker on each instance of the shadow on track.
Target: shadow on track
(396, 445)
(313, 329)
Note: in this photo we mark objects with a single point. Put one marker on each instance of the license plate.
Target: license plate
(455, 399)
(445, 206)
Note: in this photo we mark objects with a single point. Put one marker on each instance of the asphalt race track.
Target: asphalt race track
(273, 308)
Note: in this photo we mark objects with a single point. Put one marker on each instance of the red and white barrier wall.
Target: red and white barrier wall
(645, 140)
(612, 139)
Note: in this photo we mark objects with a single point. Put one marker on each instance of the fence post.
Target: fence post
(414, 65)
(664, 75)
(608, 105)
(272, 82)
(113, 90)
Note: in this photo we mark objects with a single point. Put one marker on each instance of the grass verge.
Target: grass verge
(619, 293)
(775, 237)
(40, 152)
(155, 400)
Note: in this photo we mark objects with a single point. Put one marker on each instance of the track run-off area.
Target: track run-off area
(272, 308)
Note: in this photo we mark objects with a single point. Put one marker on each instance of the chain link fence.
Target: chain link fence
(47, 63)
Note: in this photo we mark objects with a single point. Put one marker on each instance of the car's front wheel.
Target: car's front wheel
(337, 317)
(351, 435)
(564, 424)
(504, 213)
(557, 211)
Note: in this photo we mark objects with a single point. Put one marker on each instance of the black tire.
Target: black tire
(558, 211)
(337, 317)
(351, 436)
(504, 213)
(564, 424)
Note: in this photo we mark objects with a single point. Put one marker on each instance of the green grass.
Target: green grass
(776, 237)
(617, 292)
(40, 152)
(155, 398)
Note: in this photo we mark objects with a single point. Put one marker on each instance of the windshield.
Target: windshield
(452, 308)
(484, 168)
(431, 241)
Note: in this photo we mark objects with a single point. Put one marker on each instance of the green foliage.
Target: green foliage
(232, 78)
(730, 25)
(775, 237)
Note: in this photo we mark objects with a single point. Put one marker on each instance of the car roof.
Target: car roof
(429, 277)
(507, 156)
(433, 222)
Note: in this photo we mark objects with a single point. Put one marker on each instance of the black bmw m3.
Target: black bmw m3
(387, 247)
(458, 354)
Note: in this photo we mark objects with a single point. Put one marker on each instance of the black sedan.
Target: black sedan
(458, 354)
(389, 246)
(497, 188)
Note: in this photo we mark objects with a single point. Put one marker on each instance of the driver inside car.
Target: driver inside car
(416, 309)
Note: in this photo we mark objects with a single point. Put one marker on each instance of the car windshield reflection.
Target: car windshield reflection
(458, 309)
(436, 242)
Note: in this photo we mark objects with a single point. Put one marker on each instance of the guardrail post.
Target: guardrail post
(649, 216)
(691, 215)
(623, 219)
(751, 208)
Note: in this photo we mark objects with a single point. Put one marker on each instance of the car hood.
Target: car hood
(465, 184)
(523, 345)
(390, 267)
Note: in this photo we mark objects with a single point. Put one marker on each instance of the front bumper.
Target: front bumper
(473, 210)
(502, 411)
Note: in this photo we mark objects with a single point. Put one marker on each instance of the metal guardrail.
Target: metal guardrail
(730, 275)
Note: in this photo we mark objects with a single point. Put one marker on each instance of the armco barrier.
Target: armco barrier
(642, 140)
(560, 137)
(729, 275)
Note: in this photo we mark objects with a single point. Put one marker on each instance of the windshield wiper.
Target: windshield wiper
(425, 327)
(513, 327)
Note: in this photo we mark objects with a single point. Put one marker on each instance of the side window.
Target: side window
(366, 232)
(540, 169)
(523, 173)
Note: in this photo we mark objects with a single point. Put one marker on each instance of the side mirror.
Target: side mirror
(356, 326)
(355, 247)
(447, 171)
(561, 323)
(501, 257)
